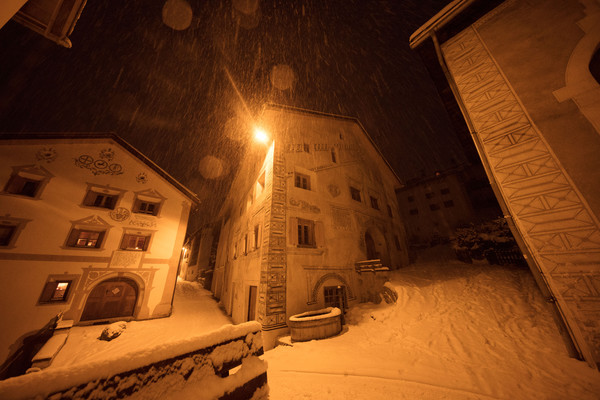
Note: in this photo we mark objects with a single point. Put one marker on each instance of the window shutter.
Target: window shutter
(293, 231)
(90, 197)
(100, 239)
(73, 236)
(48, 291)
(319, 234)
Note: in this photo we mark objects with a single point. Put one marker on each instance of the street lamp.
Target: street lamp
(260, 135)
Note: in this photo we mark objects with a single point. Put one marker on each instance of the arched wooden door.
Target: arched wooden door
(113, 298)
(372, 253)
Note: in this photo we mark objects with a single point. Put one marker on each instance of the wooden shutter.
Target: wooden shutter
(319, 234)
(293, 231)
(48, 291)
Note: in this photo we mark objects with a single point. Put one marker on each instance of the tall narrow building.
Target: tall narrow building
(311, 221)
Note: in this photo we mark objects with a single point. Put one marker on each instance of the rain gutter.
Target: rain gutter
(541, 280)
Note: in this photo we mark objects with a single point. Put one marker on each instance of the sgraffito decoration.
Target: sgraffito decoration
(555, 221)
(47, 154)
(100, 166)
(142, 178)
(142, 223)
(120, 214)
(304, 205)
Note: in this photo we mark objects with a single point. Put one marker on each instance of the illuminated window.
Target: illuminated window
(136, 242)
(374, 203)
(306, 233)
(302, 181)
(85, 238)
(355, 194)
(55, 292)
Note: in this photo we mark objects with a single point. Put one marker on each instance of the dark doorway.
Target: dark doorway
(335, 296)
(112, 298)
(252, 304)
(372, 253)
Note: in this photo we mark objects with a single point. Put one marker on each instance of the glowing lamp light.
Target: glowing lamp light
(260, 135)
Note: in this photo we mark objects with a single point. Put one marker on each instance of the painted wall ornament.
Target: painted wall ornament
(142, 177)
(47, 154)
(99, 166)
(120, 214)
(107, 154)
(334, 190)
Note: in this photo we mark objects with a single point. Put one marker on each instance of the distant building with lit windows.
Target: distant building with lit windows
(310, 221)
(90, 228)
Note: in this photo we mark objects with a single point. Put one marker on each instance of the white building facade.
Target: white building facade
(304, 209)
(90, 228)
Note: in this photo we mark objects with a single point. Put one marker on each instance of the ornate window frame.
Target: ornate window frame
(19, 224)
(32, 173)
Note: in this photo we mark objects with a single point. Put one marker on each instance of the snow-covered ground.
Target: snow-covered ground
(458, 331)
(194, 312)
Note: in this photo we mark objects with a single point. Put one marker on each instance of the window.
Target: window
(434, 207)
(302, 181)
(22, 186)
(414, 211)
(148, 202)
(374, 203)
(355, 194)
(96, 197)
(55, 291)
(256, 238)
(306, 233)
(333, 156)
(85, 238)
(389, 209)
(136, 242)
(145, 207)
(594, 65)
(27, 181)
(429, 195)
(246, 243)
(306, 148)
(335, 296)
(87, 233)
(448, 204)
(411, 199)
(445, 191)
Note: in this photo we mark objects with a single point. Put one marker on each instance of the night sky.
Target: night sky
(166, 91)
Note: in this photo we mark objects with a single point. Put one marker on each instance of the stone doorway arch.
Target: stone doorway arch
(376, 246)
(111, 298)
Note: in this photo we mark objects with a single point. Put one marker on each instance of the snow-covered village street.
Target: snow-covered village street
(458, 331)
